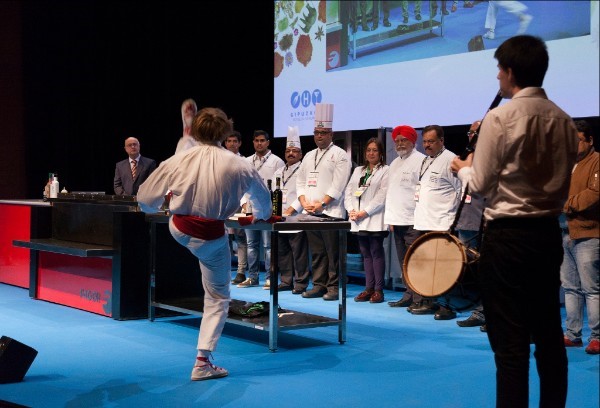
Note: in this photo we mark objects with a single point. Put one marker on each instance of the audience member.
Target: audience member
(292, 246)
(522, 166)
(321, 181)
(417, 10)
(364, 200)
(437, 197)
(266, 163)
(400, 200)
(133, 171)
(581, 262)
(469, 227)
(233, 143)
(207, 184)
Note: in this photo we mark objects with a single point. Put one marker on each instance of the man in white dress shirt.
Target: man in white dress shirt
(266, 163)
(321, 183)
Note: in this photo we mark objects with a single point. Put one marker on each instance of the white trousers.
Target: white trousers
(215, 264)
(515, 7)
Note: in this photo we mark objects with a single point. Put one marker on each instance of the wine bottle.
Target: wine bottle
(277, 198)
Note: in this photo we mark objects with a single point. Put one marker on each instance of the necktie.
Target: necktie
(133, 169)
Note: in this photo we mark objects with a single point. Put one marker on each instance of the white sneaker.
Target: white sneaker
(524, 19)
(489, 35)
(207, 371)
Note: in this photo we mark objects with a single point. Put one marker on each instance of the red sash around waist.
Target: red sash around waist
(198, 227)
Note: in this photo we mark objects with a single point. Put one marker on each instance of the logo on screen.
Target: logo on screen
(304, 99)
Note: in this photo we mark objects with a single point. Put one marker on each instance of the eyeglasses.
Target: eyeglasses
(322, 132)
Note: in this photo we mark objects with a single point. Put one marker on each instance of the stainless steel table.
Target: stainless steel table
(276, 321)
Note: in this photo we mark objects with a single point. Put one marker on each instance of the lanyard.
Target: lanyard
(430, 163)
(262, 160)
(283, 179)
(368, 175)
(324, 153)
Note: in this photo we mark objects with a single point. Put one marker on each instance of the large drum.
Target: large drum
(435, 262)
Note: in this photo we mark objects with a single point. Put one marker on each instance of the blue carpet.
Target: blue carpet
(391, 358)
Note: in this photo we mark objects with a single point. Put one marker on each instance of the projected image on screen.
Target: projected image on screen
(382, 32)
(422, 62)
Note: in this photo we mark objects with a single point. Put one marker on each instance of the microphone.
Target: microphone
(471, 146)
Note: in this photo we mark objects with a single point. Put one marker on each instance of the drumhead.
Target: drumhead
(434, 263)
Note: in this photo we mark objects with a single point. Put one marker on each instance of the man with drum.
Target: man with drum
(399, 201)
(437, 196)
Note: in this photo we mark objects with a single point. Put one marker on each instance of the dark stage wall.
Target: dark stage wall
(77, 78)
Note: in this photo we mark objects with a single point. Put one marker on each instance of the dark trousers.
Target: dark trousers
(293, 259)
(519, 274)
(404, 236)
(325, 250)
(371, 248)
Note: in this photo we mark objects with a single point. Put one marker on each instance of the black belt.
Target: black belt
(523, 223)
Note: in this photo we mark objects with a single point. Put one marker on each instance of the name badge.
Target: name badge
(360, 191)
(417, 189)
(284, 194)
(312, 179)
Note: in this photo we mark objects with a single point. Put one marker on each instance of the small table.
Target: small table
(289, 320)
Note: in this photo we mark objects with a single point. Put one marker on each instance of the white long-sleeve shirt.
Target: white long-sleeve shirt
(325, 172)
(372, 199)
(402, 179)
(439, 194)
(206, 181)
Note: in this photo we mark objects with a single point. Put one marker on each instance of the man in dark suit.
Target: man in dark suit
(131, 172)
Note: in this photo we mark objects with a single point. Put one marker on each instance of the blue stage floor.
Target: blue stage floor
(391, 359)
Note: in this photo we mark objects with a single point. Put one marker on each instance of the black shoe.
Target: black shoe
(418, 17)
(386, 23)
(472, 321)
(298, 290)
(444, 314)
(405, 20)
(413, 305)
(445, 12)
(425, 308)
(315, 292)
(365, 28)
(283, 287)
(404, 302)
(332, 294)
(239, 278)
(483, 328)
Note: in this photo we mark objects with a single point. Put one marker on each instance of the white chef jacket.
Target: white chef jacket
(330, 168)
(372, 199)
(439, 194)
(402, 179)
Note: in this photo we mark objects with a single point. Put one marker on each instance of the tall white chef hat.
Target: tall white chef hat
(324, 115)
(293, 137)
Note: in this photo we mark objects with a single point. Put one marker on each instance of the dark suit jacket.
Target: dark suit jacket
(124, 184)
